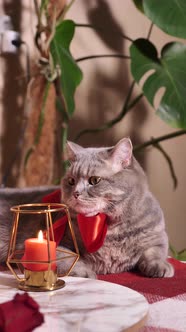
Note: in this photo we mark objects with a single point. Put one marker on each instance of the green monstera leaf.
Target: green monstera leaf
(139, 5)
(71, 74)
(167, 71)
(168, 15)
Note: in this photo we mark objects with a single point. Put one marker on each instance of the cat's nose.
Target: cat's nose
(76, 194)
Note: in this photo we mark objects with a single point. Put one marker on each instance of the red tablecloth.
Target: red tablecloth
(166, 296)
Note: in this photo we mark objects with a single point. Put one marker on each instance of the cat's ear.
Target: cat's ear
(71, 151)
(121, 154)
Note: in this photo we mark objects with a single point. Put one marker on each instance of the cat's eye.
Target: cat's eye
(93, 180)
(71, 181)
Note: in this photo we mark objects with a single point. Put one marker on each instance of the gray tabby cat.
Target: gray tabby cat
(110, 181)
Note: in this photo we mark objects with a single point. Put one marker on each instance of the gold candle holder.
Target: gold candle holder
(40, 275)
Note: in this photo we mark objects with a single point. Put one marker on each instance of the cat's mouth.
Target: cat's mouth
(88, 207)
(88, 211)
(90, 214)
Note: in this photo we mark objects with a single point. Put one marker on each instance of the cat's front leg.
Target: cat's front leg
(153, 264)
(81, 268)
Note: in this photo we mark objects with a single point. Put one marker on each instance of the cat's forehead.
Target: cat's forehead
(88, 164)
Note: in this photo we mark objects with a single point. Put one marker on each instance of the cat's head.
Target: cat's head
(94, 182)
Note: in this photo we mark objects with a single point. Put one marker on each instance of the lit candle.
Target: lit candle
(36, 249)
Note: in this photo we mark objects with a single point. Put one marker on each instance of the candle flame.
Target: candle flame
(40, 236)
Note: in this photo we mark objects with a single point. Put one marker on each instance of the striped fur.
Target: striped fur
(136, 236)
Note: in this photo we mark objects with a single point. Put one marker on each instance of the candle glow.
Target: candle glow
(40, 253)
(40, 236)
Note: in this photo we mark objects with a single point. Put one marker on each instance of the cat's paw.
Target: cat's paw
(156, 269)
(81, 270)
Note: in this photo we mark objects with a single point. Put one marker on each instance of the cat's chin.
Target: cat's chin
(85, 210)
(91, 214)
(87, 213)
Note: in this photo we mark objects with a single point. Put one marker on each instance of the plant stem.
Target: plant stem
(169, 162)
(42, 113)
(103, 56)
(135, 101)
(150, 31)
(127, 106)
(154, 141)
(64, 11)
(37, 12)
(61, 98)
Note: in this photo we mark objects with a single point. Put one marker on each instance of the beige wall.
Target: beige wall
(101, 95)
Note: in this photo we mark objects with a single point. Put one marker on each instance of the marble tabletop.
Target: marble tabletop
(84, 305)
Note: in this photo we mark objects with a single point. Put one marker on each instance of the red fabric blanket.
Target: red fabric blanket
(167, 287)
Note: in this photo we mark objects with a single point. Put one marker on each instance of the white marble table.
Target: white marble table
(84, 305)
